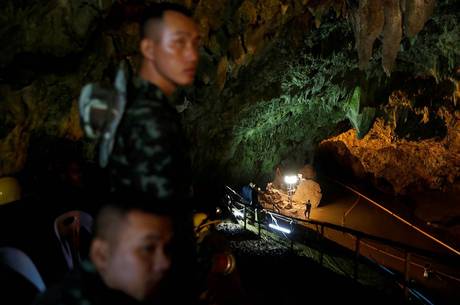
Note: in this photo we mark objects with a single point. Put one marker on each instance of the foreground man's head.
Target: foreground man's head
(170, 46)
(131, 249)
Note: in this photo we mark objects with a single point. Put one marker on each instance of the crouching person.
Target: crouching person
(132, 258)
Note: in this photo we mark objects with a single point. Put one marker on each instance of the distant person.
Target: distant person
(246, 193)
(250, 194)
(307, 209)
(132, 255)
(254, 195)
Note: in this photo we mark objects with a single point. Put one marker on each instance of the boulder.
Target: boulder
(308, 189)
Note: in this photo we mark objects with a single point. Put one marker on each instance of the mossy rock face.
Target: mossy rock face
(278, 109)
(361, 121)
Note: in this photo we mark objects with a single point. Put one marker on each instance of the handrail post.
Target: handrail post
(355, 269)
(244, 217)
(406, 274)
(258, 222)
(321, 254)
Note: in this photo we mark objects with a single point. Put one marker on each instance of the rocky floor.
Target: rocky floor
(272, 274)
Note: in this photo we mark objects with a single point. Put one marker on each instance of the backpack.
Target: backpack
(101, 110)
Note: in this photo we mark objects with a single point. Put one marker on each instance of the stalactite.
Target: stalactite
(374, 16)
(370, 24)
(392, 34)
(417, 12)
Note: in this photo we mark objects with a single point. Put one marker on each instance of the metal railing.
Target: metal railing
(399, 259)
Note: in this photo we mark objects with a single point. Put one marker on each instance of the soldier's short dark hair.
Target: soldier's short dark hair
(156, 11)
(119, 205)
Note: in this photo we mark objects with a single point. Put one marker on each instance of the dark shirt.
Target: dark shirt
(246, 193)
(255, 198)
(84, 287)
(151, 153)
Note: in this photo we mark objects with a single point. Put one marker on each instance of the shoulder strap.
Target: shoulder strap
(101, 110)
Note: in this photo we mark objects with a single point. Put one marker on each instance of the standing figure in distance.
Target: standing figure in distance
(307, 209)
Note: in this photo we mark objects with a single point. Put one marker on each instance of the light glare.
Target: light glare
(291, 179)
(276, 227)
(237, 213)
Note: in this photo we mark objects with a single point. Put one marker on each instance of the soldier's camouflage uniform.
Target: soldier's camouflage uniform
(150, 152)
(84, 287)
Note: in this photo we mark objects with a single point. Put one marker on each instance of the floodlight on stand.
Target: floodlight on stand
(291, 179)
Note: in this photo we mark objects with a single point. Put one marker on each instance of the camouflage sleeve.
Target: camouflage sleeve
(152, 158)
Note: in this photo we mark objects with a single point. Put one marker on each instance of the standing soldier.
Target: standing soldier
(151, 153)
(307, 209)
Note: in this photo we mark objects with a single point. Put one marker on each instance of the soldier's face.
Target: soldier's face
(176, 49)
(139, 259)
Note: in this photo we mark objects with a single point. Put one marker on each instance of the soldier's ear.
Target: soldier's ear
(99, 254)
(147, 48)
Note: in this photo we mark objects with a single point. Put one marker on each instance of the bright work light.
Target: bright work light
(291, 179)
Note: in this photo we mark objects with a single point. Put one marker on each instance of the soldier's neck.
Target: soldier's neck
(149, 74)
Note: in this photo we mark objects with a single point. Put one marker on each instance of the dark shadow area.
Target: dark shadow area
(15, 287)
(272, 273)
(289, 279)
(61, 177)
(28, 226)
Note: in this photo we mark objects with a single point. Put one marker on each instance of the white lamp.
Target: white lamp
(291, 180)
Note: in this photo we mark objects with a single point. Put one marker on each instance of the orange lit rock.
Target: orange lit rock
(308, 190)
(429, 163)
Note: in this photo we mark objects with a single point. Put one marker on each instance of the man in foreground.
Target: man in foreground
(133, 258)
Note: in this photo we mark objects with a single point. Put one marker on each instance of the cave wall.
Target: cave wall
(306, 83)
(276, 79)
(413, 144)
(50, 49)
